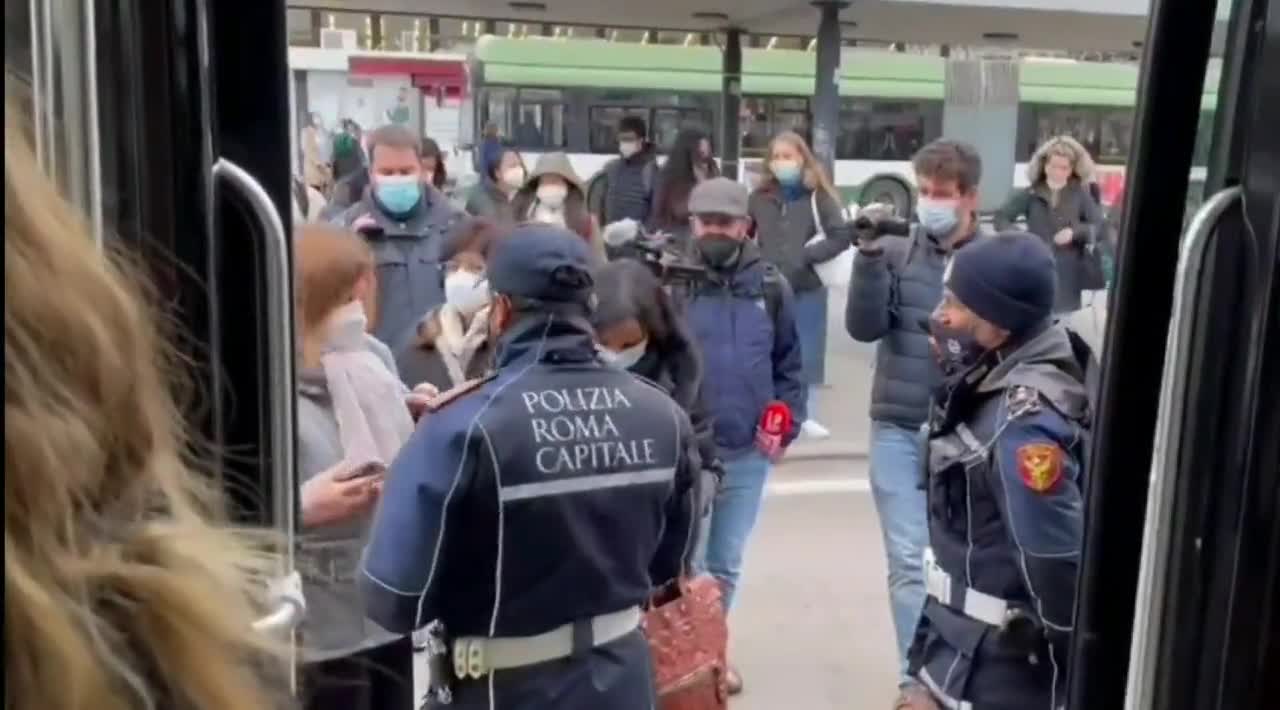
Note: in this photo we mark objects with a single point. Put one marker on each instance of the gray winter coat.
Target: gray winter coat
(1076, 210)
(783, 228)
(329, 557)
(891, 295)
(407, 254)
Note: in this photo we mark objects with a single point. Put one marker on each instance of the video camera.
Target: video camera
(654, 251)
(867, 228)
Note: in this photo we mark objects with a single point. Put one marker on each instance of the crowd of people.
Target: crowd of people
(508, 426)
(956, 315)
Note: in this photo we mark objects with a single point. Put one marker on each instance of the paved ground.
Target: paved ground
(811, 630)
(812, 627)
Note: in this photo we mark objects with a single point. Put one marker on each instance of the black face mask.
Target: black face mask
(958, 349)
(718, 250)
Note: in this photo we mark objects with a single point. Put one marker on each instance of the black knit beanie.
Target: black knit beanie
(1007, 279)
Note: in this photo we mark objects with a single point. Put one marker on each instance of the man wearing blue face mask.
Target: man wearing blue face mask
(405, 220)
(896, 283)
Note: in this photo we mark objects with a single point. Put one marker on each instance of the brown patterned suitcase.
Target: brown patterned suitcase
(689, 637)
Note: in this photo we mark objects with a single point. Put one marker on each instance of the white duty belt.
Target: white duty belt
(476, 656)
(966, 600)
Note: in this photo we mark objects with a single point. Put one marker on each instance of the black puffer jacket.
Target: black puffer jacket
(891, 296)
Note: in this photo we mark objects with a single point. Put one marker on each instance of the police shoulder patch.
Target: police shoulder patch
(441, 400)
(1022, 400)
(1040, 465)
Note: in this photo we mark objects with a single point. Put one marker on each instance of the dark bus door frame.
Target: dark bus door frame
(1209, 598)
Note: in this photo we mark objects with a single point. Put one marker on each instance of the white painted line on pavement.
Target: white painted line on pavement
(818, 485)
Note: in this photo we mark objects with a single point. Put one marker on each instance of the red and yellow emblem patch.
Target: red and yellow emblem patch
(1040, 466)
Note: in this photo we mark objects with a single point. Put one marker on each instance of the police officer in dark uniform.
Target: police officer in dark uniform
(1007, 441)
(528, 509)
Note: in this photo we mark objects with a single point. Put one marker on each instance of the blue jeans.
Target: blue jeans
(733, 516)
(811, 321)
(896, 453)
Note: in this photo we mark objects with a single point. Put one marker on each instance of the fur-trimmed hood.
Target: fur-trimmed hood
(1084, 167)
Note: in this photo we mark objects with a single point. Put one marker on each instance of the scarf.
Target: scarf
(457, 344)
(368, 399)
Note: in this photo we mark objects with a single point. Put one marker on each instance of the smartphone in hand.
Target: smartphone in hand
(364, 470)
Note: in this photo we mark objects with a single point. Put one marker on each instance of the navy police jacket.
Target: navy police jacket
(1005, 484)
(541, 496)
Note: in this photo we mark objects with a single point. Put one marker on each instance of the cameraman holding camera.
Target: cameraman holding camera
(896, 283)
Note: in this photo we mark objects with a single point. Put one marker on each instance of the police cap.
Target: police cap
(541, 262)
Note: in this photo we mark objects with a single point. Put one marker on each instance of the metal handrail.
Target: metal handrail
(1152, 577)
(290, 609)
(279, 313)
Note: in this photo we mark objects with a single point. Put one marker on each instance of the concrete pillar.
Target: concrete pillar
(731, 103)
(826, 83)
(981, 108)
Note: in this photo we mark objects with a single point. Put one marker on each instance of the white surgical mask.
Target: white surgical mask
(623, 359)
(465, 291)
(513, 177)
(628, 148)
(552, 195)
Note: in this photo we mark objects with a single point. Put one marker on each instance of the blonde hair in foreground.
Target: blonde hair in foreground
(122, 586)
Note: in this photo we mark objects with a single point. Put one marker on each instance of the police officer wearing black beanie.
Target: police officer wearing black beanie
(1005, 477)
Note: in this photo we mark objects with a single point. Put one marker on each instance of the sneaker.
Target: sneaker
(811, 429)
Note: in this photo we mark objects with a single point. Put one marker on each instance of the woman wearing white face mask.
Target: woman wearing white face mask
(452, 344)
(639, 329)
(352, 421)
(553, 194)
(1060, 207)
(504, 175)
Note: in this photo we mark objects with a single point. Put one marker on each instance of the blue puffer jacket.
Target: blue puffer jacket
(750, 349)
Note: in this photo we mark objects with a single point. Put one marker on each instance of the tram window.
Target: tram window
(1079, 123)
(604, 125)
(1116, 130)
(888, 130)
(530, 118)
(791, 115)
(762, 118)
(667, 122)
(753, 123)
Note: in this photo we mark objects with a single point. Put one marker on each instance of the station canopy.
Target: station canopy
(1082, 25)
